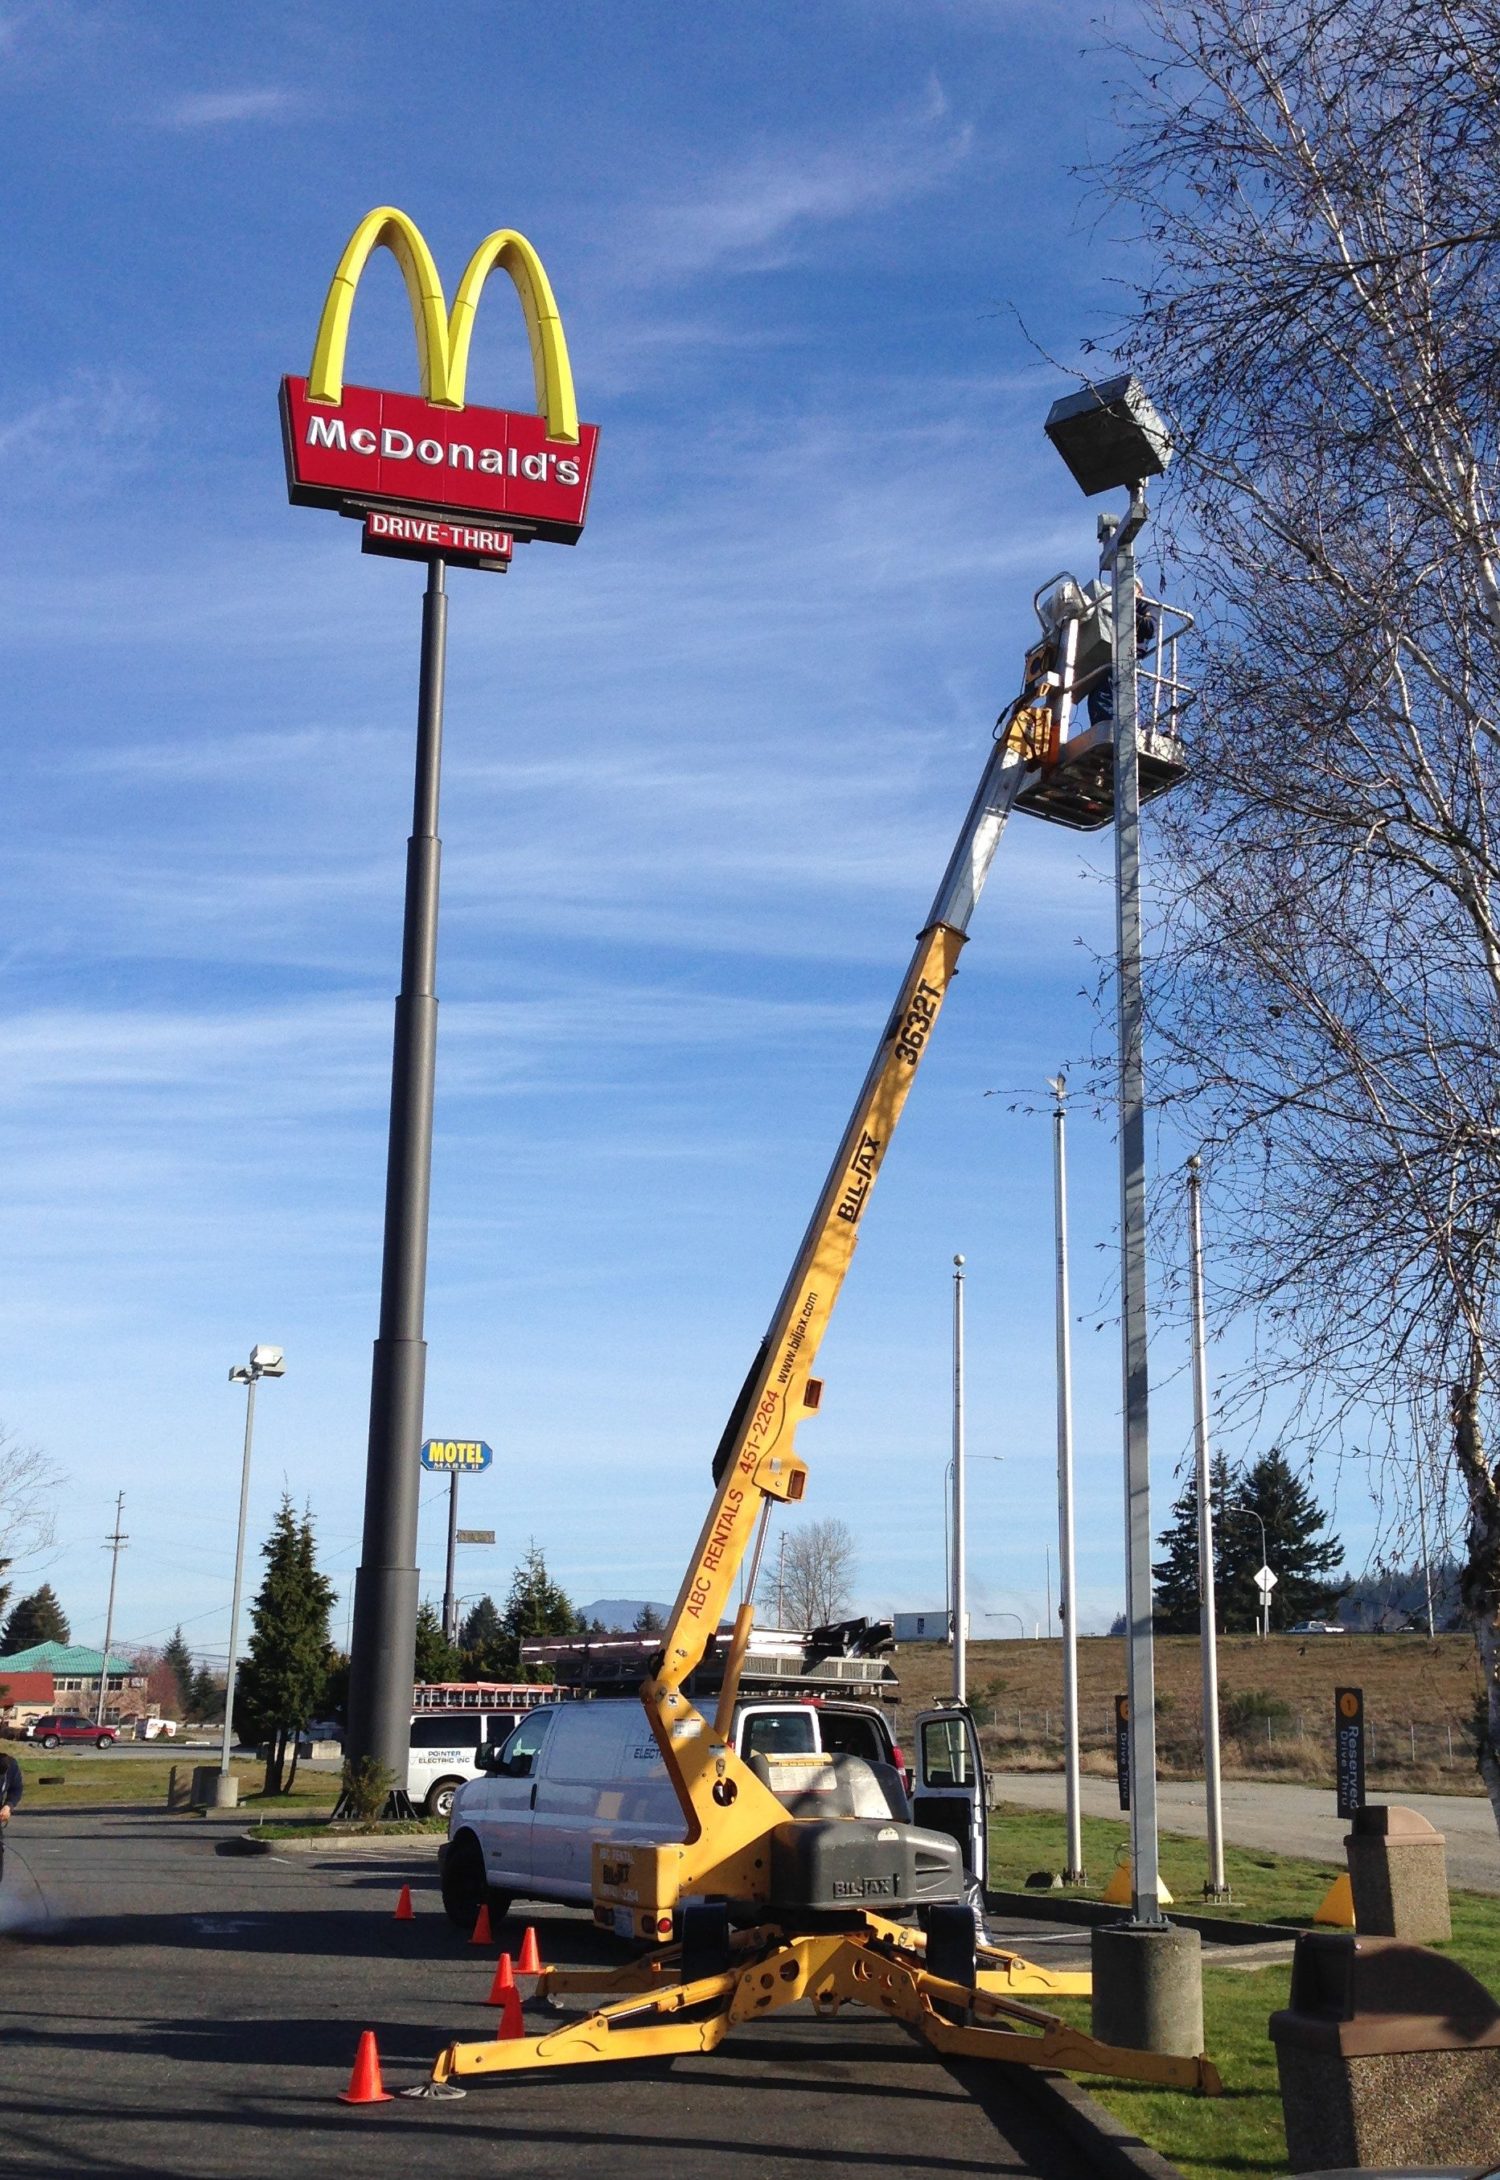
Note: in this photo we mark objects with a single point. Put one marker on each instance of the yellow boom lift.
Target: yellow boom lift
(770, 1906)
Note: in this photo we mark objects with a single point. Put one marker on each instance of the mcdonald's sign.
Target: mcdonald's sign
(431, 454)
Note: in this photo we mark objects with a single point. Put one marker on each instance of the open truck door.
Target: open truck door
(948, 1793)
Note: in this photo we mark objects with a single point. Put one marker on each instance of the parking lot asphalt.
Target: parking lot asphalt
(167, 2008)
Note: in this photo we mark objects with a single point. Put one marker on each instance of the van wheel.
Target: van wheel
(49, 1740)
(439, 1802)
(465, 1891)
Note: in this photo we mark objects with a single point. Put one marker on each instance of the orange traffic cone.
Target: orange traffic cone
(365, 2086)
(530, 1963)
(483, 1935)
(405, 1912)
(505, 1980)
(510, 2022)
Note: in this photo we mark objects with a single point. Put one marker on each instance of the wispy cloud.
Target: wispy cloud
(757, 212)
(79, 443)
(226, 109)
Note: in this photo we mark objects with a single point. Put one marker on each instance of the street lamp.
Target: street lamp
(1111, 438)
(1020, 1623)
(265, 1362)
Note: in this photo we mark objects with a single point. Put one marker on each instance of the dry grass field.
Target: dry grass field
(1276, 1702)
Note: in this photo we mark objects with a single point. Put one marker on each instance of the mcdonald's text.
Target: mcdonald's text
(392, 450)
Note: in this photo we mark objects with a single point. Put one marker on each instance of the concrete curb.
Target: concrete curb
(1061, 1907)
(415, 1845)
(1111, 2149)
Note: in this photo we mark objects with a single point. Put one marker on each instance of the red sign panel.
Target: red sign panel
(397, 450)
(418, 537)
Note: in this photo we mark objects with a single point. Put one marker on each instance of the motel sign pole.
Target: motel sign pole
(385, 1588)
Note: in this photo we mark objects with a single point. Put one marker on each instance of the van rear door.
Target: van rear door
(948, 1784)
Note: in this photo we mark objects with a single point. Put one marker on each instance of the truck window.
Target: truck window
(945, 1753)
(524, 1745)
(779, 1733)
(445, 1730)
(846, 1735)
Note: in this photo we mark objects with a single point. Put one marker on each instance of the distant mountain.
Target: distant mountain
(620, 1612)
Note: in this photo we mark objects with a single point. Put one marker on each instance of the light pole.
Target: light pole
(1216, 1887)
(1265, 1561)
(1111, 437)
(1073, 1870)
(960, 1588)
(265, 1362)
(1020, 1623)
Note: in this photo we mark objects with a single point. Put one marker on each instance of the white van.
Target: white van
(577, 1775)
(445, 1750)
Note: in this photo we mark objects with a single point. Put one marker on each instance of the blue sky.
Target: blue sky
(702, 775)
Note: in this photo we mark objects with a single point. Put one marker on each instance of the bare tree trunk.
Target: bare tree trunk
(1481, 1576)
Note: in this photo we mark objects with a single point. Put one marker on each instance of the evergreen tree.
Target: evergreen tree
(285, 1668)
(38, 1618)
(1306, 1563)
(178, 1660)
(536, 1607)
(648, 1621)
(1175, 1578)
(484, 1651)
(205, 1698)
(4, 1586)
(436, 1658)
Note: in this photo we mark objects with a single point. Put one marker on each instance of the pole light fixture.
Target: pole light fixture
(1112, 438)
(265, 1362)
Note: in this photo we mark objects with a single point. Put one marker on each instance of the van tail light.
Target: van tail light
(899, 1760)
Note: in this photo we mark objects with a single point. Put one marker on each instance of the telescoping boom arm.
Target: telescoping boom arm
(729, 1811)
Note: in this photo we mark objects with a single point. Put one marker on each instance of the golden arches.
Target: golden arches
(443, 339)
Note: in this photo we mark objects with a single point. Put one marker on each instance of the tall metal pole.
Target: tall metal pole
(1073, 1870)
(1426, 1559)
(115, 1543)
(1119, 555)
(385, 1588)
(1217, 1887)
(450, 1599)
(251, 1381)
(960, 1584)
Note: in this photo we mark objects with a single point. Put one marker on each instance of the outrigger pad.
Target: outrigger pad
(442, 2092)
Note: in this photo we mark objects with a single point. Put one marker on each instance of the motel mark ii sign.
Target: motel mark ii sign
(360, 449)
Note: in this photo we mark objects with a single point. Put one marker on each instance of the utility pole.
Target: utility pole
(1073, 1870)
(114, 1545)
(450, 1585)
(960, 1587)
(1216, 1888)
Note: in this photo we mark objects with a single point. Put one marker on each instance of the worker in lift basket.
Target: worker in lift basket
(10, 1799)
(1101, 694)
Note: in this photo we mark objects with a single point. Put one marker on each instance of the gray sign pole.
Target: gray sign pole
(450, 1586)
(1073, 1870)
(1217, 1887)
(385, 1587)
(1140, 1666)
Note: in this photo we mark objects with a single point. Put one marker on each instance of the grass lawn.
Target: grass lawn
(1239, 2133)
(86, 1782)
(1267, 1888)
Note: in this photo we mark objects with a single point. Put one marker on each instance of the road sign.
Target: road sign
(475, 1536)
(457, 1456)
(1349, 1749)
(1265, 1581)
